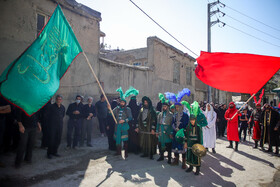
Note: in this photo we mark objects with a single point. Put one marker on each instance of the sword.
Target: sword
(143, 132)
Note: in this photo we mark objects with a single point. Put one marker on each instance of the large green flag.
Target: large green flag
(33, 78)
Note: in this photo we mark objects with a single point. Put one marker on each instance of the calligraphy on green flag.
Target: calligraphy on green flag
(33, 78)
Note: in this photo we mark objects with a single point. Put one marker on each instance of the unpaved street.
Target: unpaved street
(99, 167)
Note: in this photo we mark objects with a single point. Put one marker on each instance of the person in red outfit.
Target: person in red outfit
(232, 125)
(256, 117)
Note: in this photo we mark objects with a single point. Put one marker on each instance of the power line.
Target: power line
(163, 28)
(253, 27)
(252, 18)
(252, 36)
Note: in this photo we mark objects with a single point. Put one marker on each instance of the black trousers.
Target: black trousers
(2, 130)
(102, 124)
(221, 128)
(76, 126)
(55, 138)
(26, 144)
(45, 134)
(168, 147)
(110, 132)
(244, 130)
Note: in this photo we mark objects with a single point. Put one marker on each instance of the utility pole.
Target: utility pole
(209, 25)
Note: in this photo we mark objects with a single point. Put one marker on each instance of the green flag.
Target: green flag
(33, 78)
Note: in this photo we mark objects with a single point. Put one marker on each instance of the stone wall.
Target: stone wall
(18, 29)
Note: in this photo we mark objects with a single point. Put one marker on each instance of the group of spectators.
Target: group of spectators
(18, 130)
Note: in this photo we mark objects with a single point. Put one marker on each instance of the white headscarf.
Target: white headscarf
(209, 113)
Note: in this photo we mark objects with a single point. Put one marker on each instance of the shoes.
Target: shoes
(89, 145)
(197, 171)
(151, 157)
(175, 162)
(17, 166)
(144, 155)
(2, 165)
(168, 162)
(102, 135)
(49, 156)
(189, 169)
(213, 151)
(68, 148)
(269, 151)
(160, 158)
(56, 155)
(184, 165)
(230, 146)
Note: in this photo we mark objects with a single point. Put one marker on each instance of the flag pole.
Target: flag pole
(90, 67)
(243, 106)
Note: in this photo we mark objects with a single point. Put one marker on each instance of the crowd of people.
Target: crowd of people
(173, 126)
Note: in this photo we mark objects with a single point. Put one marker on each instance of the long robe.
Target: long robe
(193, 135)
(269, 122)
(232, 125)
(148, 142)
(133, 140)
(209, 134)
(256, 117)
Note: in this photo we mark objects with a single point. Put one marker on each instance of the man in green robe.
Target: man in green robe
(193, 134)
(147, 122)
(164, 132)
(123, 116)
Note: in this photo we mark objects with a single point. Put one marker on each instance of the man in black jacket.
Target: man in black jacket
(56, 115)
(74, 112)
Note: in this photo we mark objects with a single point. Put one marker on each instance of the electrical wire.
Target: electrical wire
(252, 36)
(163, 28)
(253, 18)
(252, 27)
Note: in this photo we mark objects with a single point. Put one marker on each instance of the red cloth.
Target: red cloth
(236, 72)
(256, 131)
(232, 125)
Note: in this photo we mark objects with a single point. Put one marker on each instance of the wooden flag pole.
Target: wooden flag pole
(100, 87)
(243, 106)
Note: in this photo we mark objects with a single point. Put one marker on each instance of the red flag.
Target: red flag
(236, 72)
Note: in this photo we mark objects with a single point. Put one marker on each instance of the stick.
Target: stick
(242, 106)
(100, 87)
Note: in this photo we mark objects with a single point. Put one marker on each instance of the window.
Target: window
(137, 63)
(176, 72)
(40, 22)
(189, 75)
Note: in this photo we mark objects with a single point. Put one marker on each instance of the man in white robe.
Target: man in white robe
(209, 131)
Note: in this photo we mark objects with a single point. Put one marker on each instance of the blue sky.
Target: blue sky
(127, 27)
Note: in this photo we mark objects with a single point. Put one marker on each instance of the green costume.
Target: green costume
(121, 130)
(123, 113)
(147, 121)
(164, 124)
(164, 127)
(193, 135)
